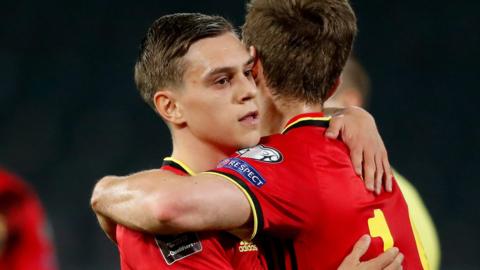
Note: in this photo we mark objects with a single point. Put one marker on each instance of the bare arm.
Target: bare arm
(161, 202)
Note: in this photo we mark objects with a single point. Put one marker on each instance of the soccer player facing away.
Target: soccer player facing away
(25, 243)
(302, 190)
(204, 74)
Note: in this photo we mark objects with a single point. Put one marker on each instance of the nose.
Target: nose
(247, 90)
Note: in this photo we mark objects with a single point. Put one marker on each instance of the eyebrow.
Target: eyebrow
(215, 71)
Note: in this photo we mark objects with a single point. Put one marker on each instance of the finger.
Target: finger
(356, 156)
(386, 258)
(388, 172)
(396, 264)
(336, 125)
(360, 247)
(378, 174)
(368, 169)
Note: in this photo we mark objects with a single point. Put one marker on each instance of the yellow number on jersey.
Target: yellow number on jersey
(379, 228)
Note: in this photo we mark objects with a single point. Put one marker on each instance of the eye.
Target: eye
(223, 81)
(248, 73)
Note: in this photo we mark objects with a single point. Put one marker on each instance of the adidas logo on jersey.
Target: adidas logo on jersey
(247, 246)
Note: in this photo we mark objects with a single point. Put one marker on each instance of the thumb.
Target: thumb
(360, 247)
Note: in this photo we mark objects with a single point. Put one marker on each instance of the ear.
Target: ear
(258, 74)
(256, 66)
(168, 107)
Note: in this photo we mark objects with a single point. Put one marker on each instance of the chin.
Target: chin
(250, 140)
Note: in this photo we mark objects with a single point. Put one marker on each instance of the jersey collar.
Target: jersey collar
(307, 119)
(177, 164)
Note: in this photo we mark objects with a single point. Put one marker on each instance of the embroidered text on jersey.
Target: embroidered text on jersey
(247, 246)
(245, 169)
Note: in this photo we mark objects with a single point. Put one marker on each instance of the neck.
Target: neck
(284, 110)
(197, 154)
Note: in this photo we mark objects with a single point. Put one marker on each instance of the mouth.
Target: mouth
(250, 118)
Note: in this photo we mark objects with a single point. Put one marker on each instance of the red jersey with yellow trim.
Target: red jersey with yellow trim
(304, 192)
(203, 250)
(25, 242)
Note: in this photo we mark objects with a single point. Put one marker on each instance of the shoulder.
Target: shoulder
(286, 145)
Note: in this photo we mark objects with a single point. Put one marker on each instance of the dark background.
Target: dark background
(69, 111)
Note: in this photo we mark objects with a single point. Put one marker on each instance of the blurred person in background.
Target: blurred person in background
(25, 242)
(354, 90)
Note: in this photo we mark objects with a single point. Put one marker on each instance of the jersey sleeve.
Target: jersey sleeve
(279, 203)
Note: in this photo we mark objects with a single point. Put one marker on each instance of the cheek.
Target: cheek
(222, 125)
(222, 121)
(209, 115)
(196, 106)
(215, 108)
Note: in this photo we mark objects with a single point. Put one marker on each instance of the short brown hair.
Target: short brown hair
(303, 44)
(168, 39)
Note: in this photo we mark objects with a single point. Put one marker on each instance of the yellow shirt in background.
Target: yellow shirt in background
(422, 221)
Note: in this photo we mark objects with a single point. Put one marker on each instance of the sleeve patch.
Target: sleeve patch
(244, 169)
(175, 248)
(262, 153)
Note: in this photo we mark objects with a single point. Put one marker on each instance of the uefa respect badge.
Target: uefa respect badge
(244, 169)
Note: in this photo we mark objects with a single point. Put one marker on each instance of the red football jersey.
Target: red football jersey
(203, 250)
(27, 243)
(304, 192)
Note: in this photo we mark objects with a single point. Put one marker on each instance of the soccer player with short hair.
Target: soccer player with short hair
(182, 79)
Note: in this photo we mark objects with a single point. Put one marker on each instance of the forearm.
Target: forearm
(160, 202)
(130, 201)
